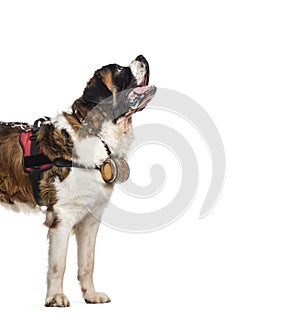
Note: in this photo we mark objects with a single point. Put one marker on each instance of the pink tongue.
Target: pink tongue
(141, 90)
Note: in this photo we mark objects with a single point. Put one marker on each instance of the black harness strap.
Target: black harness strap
(60, 162)
(34, 160)
(35, 178)
(41, 159)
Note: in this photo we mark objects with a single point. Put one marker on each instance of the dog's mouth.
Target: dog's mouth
(145, 80)
(137, 98)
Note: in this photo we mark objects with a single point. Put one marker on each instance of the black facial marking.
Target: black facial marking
(123, 78)
(96, 90)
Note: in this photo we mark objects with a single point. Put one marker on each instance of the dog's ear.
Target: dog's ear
(98, 89)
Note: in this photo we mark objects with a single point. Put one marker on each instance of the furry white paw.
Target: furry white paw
(58, 300)
(97, 298)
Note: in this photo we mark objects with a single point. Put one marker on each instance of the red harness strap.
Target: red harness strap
(26, 143)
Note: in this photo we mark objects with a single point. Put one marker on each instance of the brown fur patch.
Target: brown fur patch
(55, 143)
(47, 187)
(55, 222)
(106, 76)
(15, 183)
(74, 123)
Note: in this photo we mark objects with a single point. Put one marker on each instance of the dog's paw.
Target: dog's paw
(58, 300)
(96, 298)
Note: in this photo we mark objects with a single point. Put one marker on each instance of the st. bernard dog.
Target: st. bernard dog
(59, 164)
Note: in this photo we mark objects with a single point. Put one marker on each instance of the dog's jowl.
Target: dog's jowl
(58, 164)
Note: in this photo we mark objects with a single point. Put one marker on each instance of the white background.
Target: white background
(240, 61)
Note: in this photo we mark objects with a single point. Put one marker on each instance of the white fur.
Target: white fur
(138, 70)
(119, 145)
(60, 122)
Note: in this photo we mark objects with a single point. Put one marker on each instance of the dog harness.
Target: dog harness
(113, 170)
(33, 156)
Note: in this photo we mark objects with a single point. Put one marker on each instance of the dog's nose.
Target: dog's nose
(141, 58)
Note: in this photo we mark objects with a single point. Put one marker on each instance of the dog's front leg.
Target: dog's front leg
(58, 245)
(86, 233)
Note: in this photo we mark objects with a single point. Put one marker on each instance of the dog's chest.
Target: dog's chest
(84, 190)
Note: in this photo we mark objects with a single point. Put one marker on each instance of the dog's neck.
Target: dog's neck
(118, 136)
(86, 118)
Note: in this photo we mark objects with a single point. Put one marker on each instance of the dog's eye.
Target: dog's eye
(118, 70)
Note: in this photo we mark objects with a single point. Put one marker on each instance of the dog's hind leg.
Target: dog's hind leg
(86, 233)
(58, 245)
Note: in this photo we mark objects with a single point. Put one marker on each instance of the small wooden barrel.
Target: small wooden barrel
(115, 170)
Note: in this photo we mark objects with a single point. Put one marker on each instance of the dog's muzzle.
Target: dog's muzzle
(137, 98)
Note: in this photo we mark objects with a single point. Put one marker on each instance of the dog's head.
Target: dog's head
(114, 92)
(113, 78)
